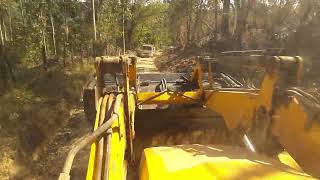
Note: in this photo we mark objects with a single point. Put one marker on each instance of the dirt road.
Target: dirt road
(52, 159)
(147, 64)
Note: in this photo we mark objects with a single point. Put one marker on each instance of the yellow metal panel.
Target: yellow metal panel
(90, 169)
(301, 142)
(132, 73)
(130, 122)
(117, 164)
(286, 159)
(237, 108)
(169, 97)
(211, 162)
(197, 74)
(266, 91)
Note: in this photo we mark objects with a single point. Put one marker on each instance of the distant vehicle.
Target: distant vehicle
(147, 50)
(172, 49)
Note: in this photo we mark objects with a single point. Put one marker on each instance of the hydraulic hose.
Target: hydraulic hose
(89, 139)
(107, 144)
(99, 150)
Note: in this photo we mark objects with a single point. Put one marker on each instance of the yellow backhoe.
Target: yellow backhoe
(205, 124)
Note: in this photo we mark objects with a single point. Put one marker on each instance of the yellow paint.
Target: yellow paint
(211, 162)
(286, 159)
(117, 166)
(117, 149)
(130, 122)
(90, 169)
(132, 74)
(237, 108)
(196, 75)
(302, 143)
(190, 97)
(266, 91)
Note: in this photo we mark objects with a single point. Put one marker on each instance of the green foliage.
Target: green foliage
(28, 26)
(151, 25)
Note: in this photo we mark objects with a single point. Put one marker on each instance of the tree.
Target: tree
(242, 8)
(225, 31)
(33, 31)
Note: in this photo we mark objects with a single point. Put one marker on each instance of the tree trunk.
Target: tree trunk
(10, 26)
(94, 29)
(2, 65)
(1, 34)
(242, 7)
(216, 19)
(225, 19)
(128, 32)
(238, 22)
(5, 66)
(94, 21)
(4, 77)
(123, 33)
(44, 50)
(9, 66)
(44, 57)
(236, 9)
(189, 22)
(53, 34)
(4, 31)
(66, 39)
(197, 24)
(44, 43)
(22, 14)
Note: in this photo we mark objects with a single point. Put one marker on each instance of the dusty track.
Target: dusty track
(52, 159)
(147, 65)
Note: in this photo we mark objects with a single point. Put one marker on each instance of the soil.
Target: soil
(41, 118)
(52, 159)
(174, 62)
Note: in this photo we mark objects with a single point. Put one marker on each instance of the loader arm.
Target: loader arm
(293, 115)
(285, 116)
(296, 124)
(277, 111)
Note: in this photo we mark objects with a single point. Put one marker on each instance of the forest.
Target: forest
(34, 31)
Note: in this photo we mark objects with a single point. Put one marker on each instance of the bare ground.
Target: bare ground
(174, 62)
(42, 116)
